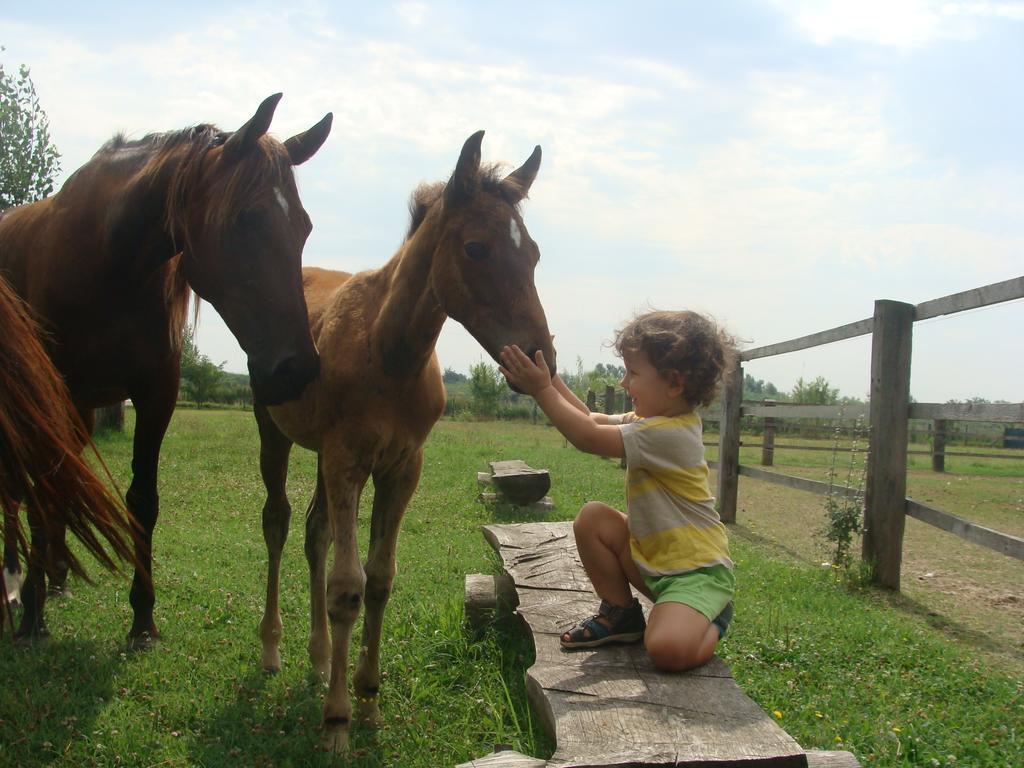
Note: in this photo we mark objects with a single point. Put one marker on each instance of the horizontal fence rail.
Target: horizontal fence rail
(965, 529)
(792, 481)
(843, 332)
(996, 293)
(1007, 413)
(1002, 413)
(839, 412)
(888, 413)
(957, 454)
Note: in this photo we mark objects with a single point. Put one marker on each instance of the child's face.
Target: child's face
(652, 394)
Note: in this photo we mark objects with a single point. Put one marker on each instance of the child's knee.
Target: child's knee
(678, 638)
(597, 513)
(588, 517)
(669, 655)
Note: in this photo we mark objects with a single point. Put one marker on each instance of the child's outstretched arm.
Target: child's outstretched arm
(570, 396)
(575, 402)
(532, 377)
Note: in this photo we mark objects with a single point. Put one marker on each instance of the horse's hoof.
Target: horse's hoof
(143, 641)
(336, 739)
(58, 591)
(271, 662)
(368, 712)
(29, 639)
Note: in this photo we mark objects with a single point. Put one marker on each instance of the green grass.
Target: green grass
(834, 662)
(846, 669)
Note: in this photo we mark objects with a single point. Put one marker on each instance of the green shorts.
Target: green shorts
(708, 590)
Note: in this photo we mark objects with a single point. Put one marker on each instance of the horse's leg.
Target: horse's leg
(12, 576)
(346, 583)
(274, 450)
(57, 564)
(318, 541)
(153, 412)
(391, 497)
(33, 591)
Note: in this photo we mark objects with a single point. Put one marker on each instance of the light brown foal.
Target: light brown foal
(377, 396)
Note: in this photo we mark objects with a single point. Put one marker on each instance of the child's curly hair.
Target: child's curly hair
(684, 341)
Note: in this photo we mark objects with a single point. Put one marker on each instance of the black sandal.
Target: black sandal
(627, 626)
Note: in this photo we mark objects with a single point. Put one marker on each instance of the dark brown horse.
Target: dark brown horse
(379, 392)
(41, 437)
(106, 265)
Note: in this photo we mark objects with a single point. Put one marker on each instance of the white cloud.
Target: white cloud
(674, 77)
(1014, 11)
(413, 13)
(891, 23)
(802, 197)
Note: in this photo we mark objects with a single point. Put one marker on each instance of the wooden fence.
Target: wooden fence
(940, 432)
(888, 414)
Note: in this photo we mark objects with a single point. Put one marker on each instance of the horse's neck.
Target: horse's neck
(410, 318)
(138, 228)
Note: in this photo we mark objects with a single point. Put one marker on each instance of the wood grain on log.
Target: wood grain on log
(609, 706)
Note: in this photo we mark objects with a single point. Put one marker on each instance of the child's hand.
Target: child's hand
(526, 375)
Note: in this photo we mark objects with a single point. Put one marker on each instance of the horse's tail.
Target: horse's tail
(41, 438)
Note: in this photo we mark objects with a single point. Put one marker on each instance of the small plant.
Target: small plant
(844, 504)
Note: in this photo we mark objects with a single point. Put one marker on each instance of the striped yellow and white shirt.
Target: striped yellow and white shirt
(673, 524)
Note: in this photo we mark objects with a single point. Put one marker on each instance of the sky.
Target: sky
(777, 165)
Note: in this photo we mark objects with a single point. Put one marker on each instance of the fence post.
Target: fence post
(886, 483)
(768, 438)
(609, 399)
(109, 417)
(591, 400)
(729, 444)
(939, 445)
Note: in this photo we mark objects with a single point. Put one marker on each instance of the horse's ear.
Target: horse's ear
(460, 185)
(303, 146)
(519, 181)
(245, 138)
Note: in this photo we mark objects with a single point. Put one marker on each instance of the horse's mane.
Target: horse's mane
(178, 157)
(489, 179)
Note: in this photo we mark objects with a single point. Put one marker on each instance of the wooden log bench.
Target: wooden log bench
(516, 482)
(609, 706)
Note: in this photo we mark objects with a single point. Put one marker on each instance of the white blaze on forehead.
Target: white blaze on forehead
(280, 199)
(513, 229)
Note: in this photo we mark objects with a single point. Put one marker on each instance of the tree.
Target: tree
(200, 378)
(452, 376)
(202, 381)
(816, 392)
(608, 373)
(485, 387)
(28, 161)
(757, 389)
(189, 350)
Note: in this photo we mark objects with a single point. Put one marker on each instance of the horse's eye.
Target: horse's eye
(476, 251)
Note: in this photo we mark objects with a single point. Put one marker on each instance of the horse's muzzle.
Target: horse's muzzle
(532, 354)
(284, 380)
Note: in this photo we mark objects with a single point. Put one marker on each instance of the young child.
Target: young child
(671, 546)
